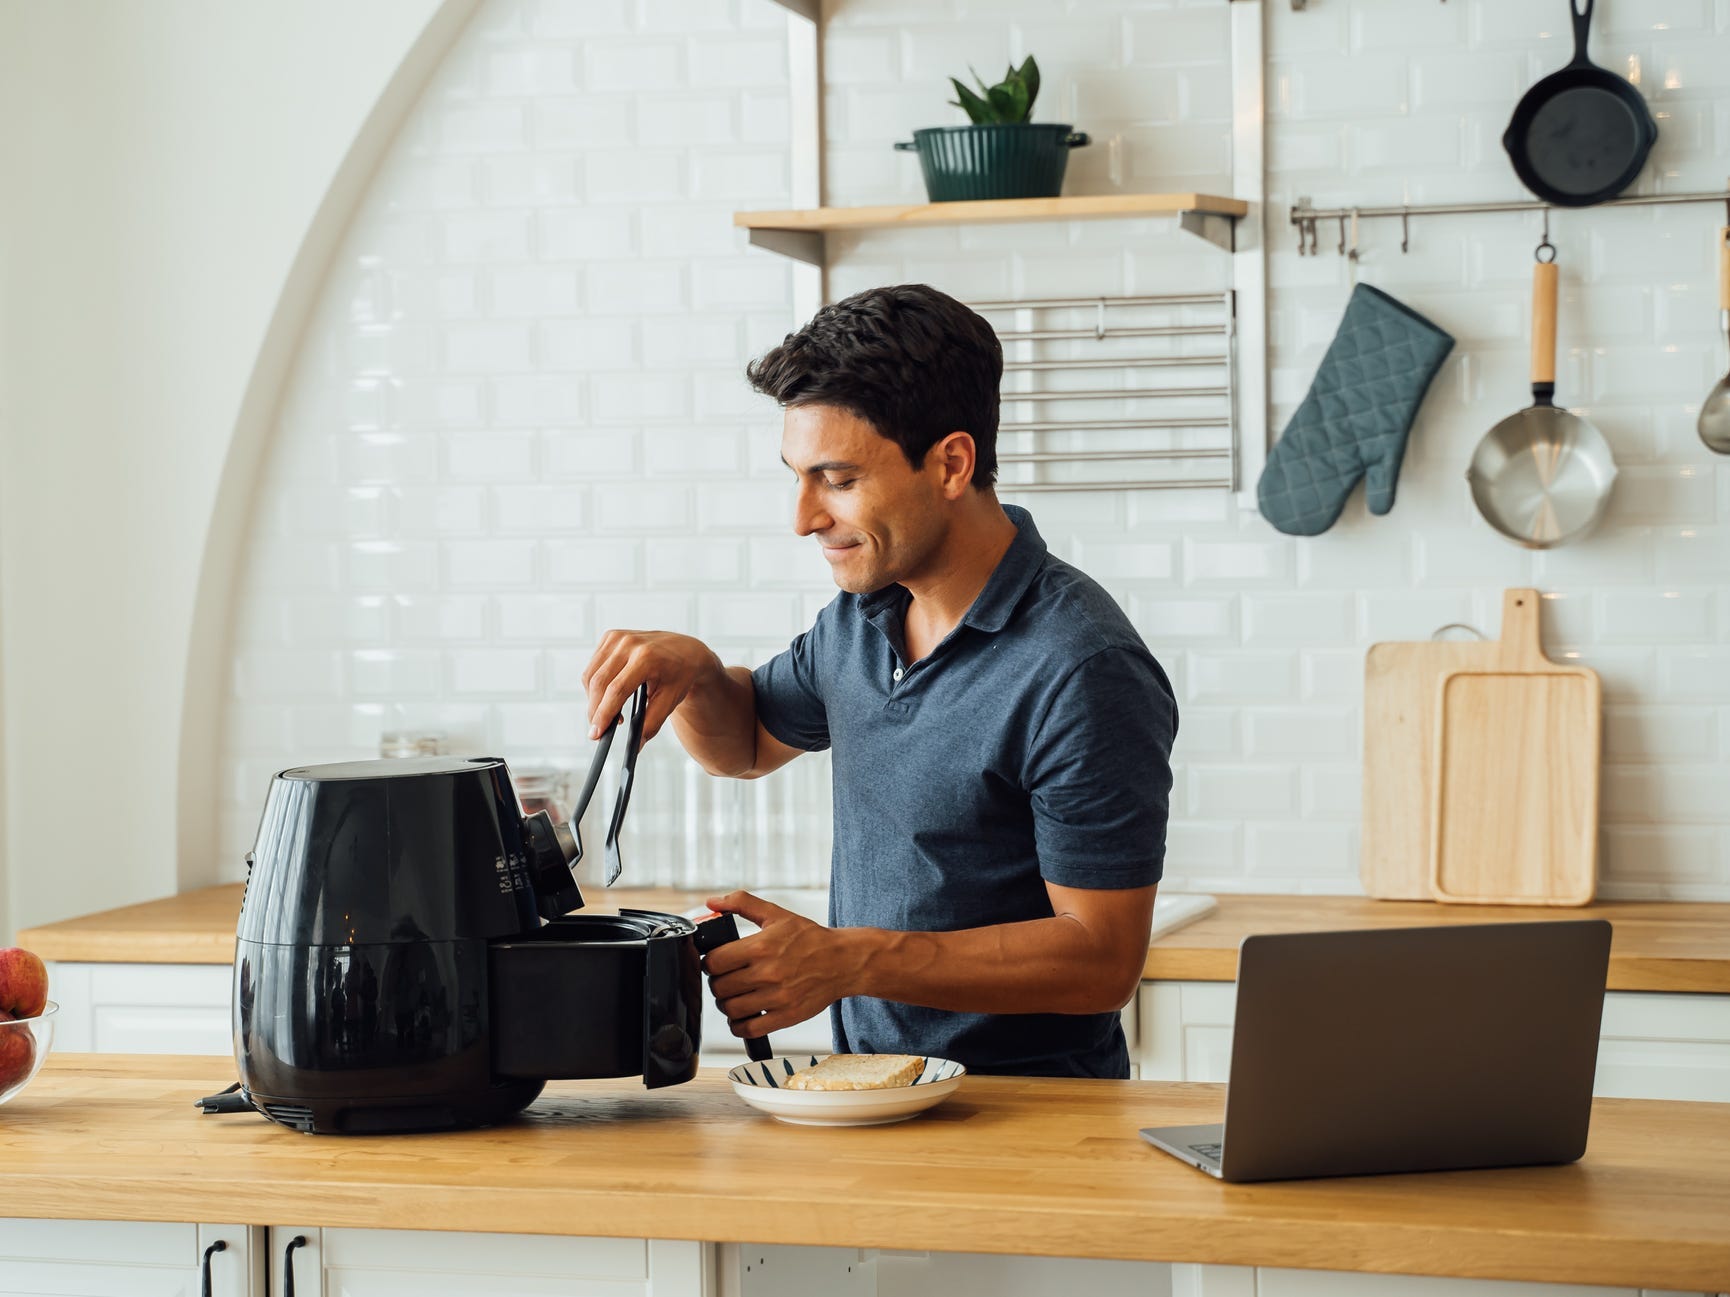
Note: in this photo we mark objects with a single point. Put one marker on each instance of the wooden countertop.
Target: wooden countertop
(1655, 945)
(1032, 1167)
(1658, 945)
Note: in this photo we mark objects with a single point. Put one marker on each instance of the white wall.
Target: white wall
(169, 169)
(521, 419)
(518, 416)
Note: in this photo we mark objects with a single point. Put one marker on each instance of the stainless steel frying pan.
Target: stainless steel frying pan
(1542, 477)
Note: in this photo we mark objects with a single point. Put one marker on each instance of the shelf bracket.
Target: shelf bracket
(809, 246)
(1221, 231)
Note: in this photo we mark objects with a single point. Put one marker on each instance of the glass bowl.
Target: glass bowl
(23, 1046)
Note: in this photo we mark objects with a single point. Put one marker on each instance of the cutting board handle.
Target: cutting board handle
(1522, 646)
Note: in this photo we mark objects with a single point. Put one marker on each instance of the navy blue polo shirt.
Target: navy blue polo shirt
(1033, 744)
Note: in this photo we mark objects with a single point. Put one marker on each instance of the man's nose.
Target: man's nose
(809, 516)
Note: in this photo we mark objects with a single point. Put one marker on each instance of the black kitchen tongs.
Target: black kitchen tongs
(633, 743)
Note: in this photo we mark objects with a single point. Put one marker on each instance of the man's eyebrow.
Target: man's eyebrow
(827, 466)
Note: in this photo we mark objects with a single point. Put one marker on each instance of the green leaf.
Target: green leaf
(977, 109)
(1003, 105)
(1029, 73)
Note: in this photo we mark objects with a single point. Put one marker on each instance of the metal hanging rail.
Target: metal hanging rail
(1306, 217)
(1114, 319)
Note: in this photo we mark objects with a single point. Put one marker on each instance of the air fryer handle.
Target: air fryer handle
(718, 930)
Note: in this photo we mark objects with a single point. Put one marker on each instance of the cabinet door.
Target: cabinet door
(1660, 1046)
(415, 1263)
(1651, 1046)
(100, 1258)
(143, 1008)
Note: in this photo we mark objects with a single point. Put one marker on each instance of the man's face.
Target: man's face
(877, 518)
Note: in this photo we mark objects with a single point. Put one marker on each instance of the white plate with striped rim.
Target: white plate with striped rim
(761, 1086)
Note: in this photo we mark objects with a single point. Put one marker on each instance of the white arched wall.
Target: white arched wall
(179, 174)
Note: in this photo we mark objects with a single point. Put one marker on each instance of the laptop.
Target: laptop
(1407, 1049)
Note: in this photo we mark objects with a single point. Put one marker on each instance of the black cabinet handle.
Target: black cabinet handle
(299, 1240)
(204, 1268)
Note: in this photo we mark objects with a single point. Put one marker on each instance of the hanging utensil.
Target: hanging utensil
(1581, 134)
(1714, 424)
(1543, 476)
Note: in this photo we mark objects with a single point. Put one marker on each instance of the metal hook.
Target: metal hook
(1538, 252)
(1099, 321)
(1353, 254)
(1405, 230)
(1342, 235)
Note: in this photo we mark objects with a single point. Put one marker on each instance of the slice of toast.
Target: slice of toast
(858, 1072)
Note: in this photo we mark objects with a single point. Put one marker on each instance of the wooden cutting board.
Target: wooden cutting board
(1400, 686)
(1515, 810)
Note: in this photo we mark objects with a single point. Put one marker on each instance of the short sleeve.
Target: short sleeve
(1099, 773)
(790, 695)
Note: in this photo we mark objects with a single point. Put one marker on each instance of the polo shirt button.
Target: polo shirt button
(897, 673)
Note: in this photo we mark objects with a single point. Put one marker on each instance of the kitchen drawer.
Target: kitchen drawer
(100, 1258)
(413, 1263)
(1651, 1046)
(143, 1008)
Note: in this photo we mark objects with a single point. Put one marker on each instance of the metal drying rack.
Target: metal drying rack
(1306, 218)
(1031, 379)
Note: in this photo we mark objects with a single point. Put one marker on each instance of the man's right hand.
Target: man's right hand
(671, 665)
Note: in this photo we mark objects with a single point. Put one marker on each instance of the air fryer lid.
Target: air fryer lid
(405, 849)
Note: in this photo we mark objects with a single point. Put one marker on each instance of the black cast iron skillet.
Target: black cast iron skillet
(1582, 134)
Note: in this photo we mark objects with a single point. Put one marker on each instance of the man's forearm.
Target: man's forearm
(1050, 965)
(717, 721)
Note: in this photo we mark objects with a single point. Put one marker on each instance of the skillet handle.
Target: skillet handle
(1544, 331)
(1582, 29)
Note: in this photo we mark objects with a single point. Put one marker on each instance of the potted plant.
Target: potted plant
(1002, 154)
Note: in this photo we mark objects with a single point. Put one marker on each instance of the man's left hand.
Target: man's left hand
(790, 971)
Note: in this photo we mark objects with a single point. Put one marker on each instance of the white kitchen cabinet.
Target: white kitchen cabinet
(142, 1008)
(749, 1270)
(184, 1009)
(105, 1258)
(413, 1263)
(1651, 1045)
(1265, 1281)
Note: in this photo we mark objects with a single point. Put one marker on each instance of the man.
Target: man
(1001, 736)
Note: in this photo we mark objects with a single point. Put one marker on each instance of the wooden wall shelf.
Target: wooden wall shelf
(800, 234)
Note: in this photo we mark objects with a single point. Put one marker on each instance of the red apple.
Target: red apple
(23, 983)
(17, 1052)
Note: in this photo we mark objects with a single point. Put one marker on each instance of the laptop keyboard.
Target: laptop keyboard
(1207, 1150)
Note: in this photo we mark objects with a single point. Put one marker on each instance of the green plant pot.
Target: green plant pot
(1024, 160)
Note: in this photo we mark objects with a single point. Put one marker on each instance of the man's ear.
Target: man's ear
(954, 458)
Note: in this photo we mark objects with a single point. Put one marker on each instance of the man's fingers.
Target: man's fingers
(726, 959)
(749, 1006)
(753, 1025)
(613, 698)
(754, 908)
(603, 650)
(604, 685)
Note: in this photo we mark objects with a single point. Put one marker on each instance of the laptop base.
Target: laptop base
(1201, 1146)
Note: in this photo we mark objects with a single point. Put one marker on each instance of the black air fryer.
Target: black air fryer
(407, 960)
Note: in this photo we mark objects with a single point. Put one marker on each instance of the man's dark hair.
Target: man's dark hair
(912, 362)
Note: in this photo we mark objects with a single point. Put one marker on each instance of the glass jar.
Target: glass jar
(540, 788)
(410, 743)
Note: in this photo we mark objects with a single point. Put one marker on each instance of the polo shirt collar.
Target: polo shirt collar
(1003, 588)
(1012, 575)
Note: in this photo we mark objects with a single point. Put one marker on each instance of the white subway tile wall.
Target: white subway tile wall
(519, 417)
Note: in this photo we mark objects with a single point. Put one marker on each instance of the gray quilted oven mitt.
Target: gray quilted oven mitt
(1355, 419)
